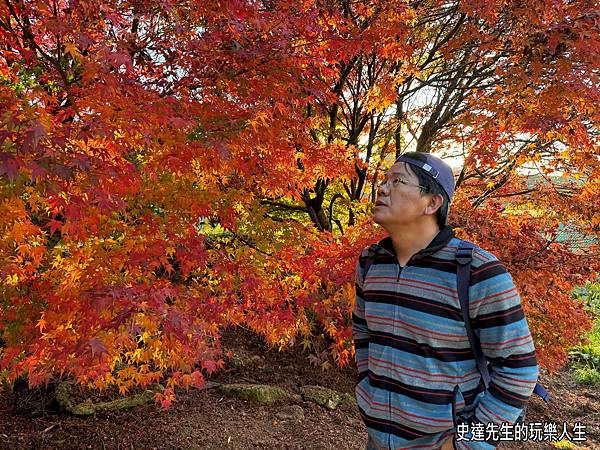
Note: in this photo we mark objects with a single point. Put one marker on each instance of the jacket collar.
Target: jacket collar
(444, 236)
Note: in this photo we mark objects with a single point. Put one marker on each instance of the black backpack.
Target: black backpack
(464, 256)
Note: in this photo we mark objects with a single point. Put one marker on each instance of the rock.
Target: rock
(257, 392)
(210, 385)
(325, 397)
(292, 412)
(87, 408)
(348, 398)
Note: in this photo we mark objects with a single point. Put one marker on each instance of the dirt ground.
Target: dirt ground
(208, 420)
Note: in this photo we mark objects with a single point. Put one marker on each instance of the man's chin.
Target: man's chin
(378, 219)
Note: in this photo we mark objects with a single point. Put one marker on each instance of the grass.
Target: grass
(564, 444)
(586, 375)
(585, 358)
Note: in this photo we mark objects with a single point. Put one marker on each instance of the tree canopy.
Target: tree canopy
(170, 168)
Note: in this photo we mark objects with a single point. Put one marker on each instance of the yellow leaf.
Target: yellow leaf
(72, 50)
(12, 280)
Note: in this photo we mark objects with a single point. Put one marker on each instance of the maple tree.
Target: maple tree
(170, 168)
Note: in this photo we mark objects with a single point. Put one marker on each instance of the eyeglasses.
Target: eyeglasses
(398, 181)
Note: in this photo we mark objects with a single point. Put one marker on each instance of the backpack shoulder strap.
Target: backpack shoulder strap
(368, 257)
(464, 257)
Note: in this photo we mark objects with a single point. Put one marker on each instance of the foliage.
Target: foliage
(585, 357)
(588, 354)
(586, 375)
(589, 293)
(168, 168)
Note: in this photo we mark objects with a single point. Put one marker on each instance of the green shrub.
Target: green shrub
(585, 375)
(589, 293)
(585, 358)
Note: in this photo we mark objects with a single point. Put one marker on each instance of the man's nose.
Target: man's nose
(382, 189)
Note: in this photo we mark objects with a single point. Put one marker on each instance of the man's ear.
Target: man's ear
(435, 202)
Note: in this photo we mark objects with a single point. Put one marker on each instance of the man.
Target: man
(416, 370)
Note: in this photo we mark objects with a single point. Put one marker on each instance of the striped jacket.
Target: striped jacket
(415, 364)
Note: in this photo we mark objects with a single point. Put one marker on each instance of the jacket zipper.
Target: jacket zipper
(390, 391)
(400, 268)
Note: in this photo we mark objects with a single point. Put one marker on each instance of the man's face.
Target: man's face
(399, 198)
